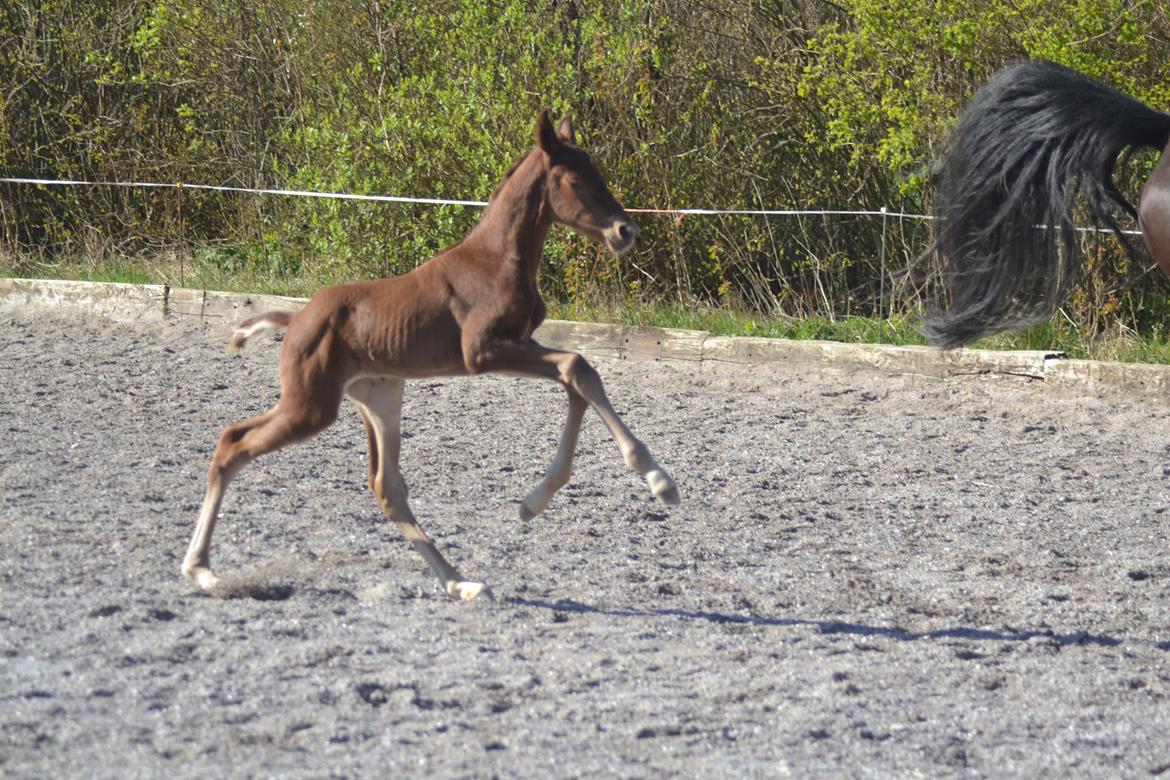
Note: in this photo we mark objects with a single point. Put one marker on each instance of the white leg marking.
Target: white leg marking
(380, 400)
(561, 469)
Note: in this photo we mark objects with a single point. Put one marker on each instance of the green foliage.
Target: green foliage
(743, 104)
(892, 77)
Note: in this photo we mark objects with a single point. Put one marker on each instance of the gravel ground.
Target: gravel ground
(868, 577)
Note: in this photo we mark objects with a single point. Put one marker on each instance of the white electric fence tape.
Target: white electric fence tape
(681, 212)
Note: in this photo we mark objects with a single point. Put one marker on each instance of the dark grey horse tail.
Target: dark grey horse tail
(1034, 141)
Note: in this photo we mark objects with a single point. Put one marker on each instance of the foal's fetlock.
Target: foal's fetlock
(536, 502)
(638, 458)
(661, 485)
(200, 574)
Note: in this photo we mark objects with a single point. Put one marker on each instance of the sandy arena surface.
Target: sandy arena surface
(869, 576)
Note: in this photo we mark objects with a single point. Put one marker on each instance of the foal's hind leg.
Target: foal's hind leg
(240, 444)
(380, 402)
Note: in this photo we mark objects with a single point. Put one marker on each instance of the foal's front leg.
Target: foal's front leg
(561, 468)
(380, 403)
(581, 381)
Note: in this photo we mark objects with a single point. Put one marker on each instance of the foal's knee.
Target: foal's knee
(576, 372)
(476, 360)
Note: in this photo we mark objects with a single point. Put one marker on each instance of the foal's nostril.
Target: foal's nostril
(627, 232)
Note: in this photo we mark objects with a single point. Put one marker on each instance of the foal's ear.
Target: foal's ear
(565, 131)
(545, 135)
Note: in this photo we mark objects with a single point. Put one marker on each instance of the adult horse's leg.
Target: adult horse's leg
(380, 403)
(575, 374)
(1154, 212)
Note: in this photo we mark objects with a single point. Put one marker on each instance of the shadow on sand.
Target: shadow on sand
(1005, 634)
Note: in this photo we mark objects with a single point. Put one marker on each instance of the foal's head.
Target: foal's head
(577, 195)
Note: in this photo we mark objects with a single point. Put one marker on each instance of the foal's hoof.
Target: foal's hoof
(201, 576)
(663, 487)
(469, 591)
(536, 501)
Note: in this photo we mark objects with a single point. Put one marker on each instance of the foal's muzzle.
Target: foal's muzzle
(621, 235)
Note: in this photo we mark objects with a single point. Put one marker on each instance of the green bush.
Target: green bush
(744, 105)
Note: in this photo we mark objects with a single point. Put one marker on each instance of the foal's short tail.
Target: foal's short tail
(258, 324)
(1035, 139)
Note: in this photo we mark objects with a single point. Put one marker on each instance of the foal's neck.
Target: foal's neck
(515, 223)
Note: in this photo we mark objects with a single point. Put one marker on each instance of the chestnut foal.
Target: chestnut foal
(469, 310)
